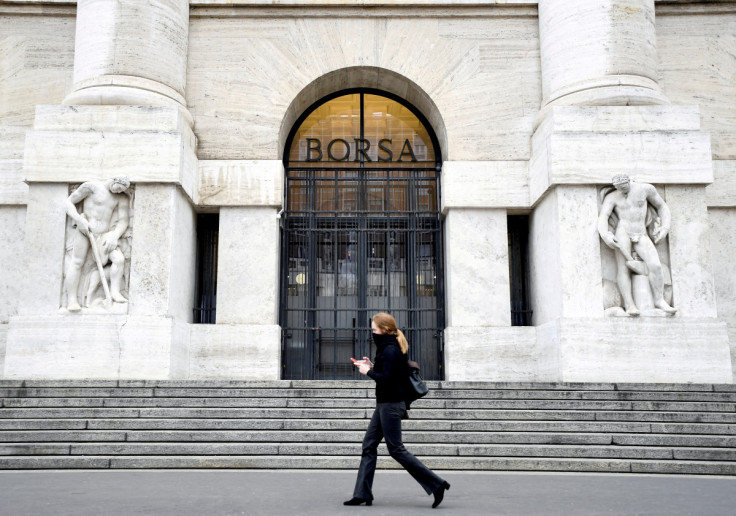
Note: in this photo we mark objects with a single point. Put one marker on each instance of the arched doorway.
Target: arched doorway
(361, 233)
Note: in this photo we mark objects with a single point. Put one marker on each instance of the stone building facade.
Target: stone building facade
(513, 117)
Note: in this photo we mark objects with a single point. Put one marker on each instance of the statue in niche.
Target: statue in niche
(100, 212)
(633, 219)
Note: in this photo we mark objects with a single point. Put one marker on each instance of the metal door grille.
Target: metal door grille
(357, 241)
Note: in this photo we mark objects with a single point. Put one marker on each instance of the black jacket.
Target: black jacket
(390, 369)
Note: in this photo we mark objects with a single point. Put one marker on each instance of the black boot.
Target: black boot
(358, 501)
(439, 494)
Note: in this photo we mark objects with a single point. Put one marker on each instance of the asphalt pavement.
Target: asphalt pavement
(258, 492)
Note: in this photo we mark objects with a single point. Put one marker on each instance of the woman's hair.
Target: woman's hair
(387, 325)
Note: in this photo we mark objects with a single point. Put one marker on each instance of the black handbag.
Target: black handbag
(415, 386)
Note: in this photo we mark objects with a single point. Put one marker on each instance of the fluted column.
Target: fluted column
(598, 52)
(130, 52)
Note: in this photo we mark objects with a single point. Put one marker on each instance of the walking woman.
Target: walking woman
(390, 372)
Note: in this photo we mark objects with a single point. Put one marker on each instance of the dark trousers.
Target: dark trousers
(386, 422)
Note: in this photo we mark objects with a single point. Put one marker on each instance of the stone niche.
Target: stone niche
(641, 290)
(90, 291)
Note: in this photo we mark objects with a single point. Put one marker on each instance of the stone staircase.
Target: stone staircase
(643, 428)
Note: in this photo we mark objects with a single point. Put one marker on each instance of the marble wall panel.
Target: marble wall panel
(12, 188)
(240, 183)
(240, 94)
(233, 352)
(13, 224)
(36, 61)
(485, 184)
(545, 283)
(477, 268)
(3, 342)
(690, 252)
(488, 354)
(248, 265)
(162, 256)
(564, 253)
(697, 65)
(722, 225)
(43, 253)
(183, 258)
(722, 193)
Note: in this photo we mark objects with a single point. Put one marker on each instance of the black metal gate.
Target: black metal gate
(357, 241)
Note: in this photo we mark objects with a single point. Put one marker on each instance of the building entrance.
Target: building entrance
(361, 234)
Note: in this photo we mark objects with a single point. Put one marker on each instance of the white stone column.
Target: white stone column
(600, 52)
(130, 52)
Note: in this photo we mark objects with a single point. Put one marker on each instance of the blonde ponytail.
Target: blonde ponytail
(403, 344)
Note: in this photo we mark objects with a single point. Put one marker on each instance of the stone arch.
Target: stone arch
(364, 77)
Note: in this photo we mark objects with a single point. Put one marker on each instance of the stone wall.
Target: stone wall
(206, 131)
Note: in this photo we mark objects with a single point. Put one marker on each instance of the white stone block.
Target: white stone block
(644, 350)
(566, 153)
(235, 352)
(240, 183)
(690, 252)
(511, 354)
(248, 265)
(45, 227)
(485, 184)
(163, 253)
(78, 346)
(13, 224)
(477, 268)
(83, 143)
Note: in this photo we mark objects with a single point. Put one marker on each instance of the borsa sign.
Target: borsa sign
(340, 149)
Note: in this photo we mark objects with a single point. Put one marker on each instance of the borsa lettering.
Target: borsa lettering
(340, 149)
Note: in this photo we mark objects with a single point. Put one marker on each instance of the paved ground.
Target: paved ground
(213, 493)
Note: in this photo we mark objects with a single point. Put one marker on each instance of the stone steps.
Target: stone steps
(643, 428)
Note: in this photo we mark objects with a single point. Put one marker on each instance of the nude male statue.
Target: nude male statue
(629, 202)
(101, 199)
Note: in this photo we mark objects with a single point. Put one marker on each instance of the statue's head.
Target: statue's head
(621, 182)
(119, 184)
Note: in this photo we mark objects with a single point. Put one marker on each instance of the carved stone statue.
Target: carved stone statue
(99, 228)
(633, 219)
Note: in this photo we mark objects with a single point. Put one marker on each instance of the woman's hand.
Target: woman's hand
(364, 365)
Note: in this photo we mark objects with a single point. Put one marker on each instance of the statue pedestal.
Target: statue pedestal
(75, 346)
(641, 350)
